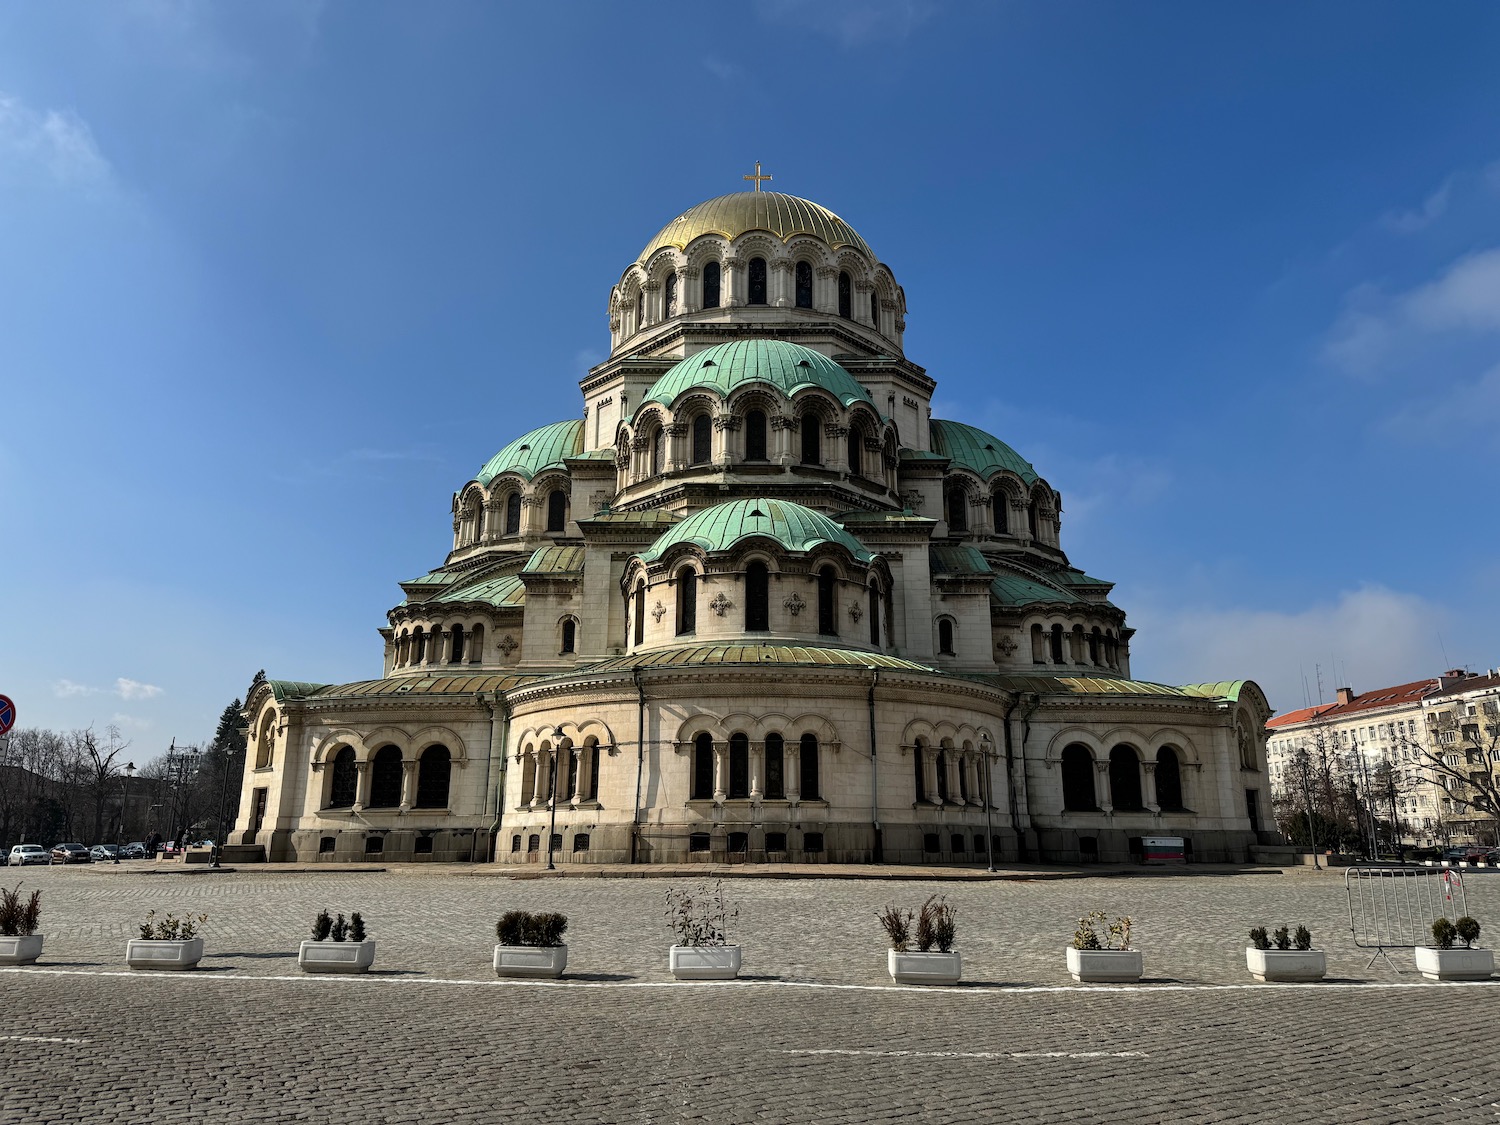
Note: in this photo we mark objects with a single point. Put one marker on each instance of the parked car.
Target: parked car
(136, 850)
(104, 853)
(70, 853)
(23, 854)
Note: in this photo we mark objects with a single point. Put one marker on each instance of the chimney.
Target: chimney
(1346, 696)
(1451, 677)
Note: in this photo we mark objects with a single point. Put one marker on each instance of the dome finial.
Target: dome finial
(758, 177)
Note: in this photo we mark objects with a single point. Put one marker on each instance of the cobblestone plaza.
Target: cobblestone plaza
(813, 1031)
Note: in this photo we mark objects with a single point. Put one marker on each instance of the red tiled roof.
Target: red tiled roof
(1369, 701)
(1468, 684)
(1291, 718)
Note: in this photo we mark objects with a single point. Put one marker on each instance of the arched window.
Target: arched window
(874, 612)
(687, 600)
(476, 644)
(775, 787)
(807, 760)
(345, 781)
(640, 611)
(958, 510)
(567, 752)
(513, 514)
(669, 296)
(1094, 639)
(1057, 644)
(703, 767)
(711, 285)
(385, 778)
(1000, 511)
(804, 285)
(827, 620)
(658, 443)
(1038, 645)
(919, 759)
(757, 598)
(433, 771)
(456, 647)
(812, 439)
(528, 777)
(557, 510)
(591, 748)
(703, 446)
(640, 311)
(942, 775)
(1168, 780)
(755, 435)
(856, 451)
(569, 635)
(420, 645)
(757, 276)
(1031, 518)
(945, 636)
(265, 743)
(1124, 779)
(875, 309)
(846, 304)
(739, 767)
(1078, 779)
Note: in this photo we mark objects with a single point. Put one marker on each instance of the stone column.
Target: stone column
(578, 768)
(781, 294)
(721, 772)
(361, 784)
(689, 289)
(783, 438)
(954, 792)
(1101, 786)
(677, 455)
(653, 302)
(408, 783)
(791, 771)
(531, 515)
(1148, 787)
(929, 774)
(757, 770)
(862, 291)
(731, 282)
(836, 439)
(826, 290)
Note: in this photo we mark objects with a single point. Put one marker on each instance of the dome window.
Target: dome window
(999, 506)
(875, 310)
(711, 285)
(669, 296)
(687, 601)
(755, 439)
(804, 285)
(812, 440)
(846, 303)
(513, 514)
(827, 616)
(702, 440)
(803, 363)
(557, 510)
(758, 512)
(708, 363)
(757, 598)
(757, 281)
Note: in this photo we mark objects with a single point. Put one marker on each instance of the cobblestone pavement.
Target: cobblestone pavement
(813, 1032)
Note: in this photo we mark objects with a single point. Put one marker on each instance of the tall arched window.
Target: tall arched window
(874, 612)
(942, 775)
(755, 435)
(1078, 779)
(846, 302)
(958, 510)
(513, 514)
(658, 444)
(875, 309)
(669, 296)
(804, 285)
(687, 600)
(1000, 513)
(1125, 779)
(640, 311)
(757, 278)
(557, 510)
(945, 636)
(775, 786)
(433, 770)
(919, 760)
(739, 767)
(456, 647)
(1031, 522)
(827, 619)
(703, 767)
(807, 763)
(757, 598)
(711, 285)
(1057, 644)
(569, 635)
(572, 774)
(385, 778)
(1168, 780)
(528, 776)
(419, 646)
(344, 783)
(812, 439)
(640, 612)
(703, 444)
(591, 748)
(1094, 638)
(856, 451)
(476, 644)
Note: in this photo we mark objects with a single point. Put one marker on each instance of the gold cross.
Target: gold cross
(757, 177)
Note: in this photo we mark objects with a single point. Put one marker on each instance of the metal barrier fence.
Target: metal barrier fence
(1395, 907)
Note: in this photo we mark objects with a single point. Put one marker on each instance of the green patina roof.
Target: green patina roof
(532, 452)
(437, 684)
(787, 367)
(507, 590)
(1224, 689)
(555, 560)
(1013, 589)
(757, 654)
(283, 690)
(646, 517)
(1075, 577)
(719, 528)
(978, 451)
(437, 577)
(950, 558)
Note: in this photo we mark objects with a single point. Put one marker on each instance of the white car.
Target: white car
(22, 854)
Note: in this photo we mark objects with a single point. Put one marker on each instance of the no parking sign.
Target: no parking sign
(7, 714)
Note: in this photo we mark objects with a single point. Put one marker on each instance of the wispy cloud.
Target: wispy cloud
(59, 143)
(134, 689)
(851, 23)
(124, 687)
(66, 689)
(130, 722)
(723, 71)
(1433, 208)
(1467, 411)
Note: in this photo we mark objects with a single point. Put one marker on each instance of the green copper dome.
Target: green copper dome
(543, 448)
(719, 528)
(787, 367)
(742, 211)
(976, 450)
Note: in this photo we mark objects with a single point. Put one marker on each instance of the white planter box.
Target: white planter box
(1290, 966)
(530, 960)
(153, 954)
(705, 962)
(1105, 966)
(924, 968)
(1455, 964)
(336, 956)
(20, 950)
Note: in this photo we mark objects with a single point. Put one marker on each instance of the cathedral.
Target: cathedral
(754, 604)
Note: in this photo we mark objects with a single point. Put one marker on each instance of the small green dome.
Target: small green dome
(787, 367)
(719, 528)
(540, 449)
(973, 449)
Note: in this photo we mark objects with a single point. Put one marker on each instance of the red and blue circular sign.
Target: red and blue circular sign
(7, 713)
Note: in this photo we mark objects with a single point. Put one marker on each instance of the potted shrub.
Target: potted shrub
(1284, 957)
(1107, 960)
(936, 926)
(166, 944)
(20, 944)
(530, 945)
(337, 946)
(1441, 961)
(700, 919)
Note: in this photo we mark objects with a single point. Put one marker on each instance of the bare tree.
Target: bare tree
(1465, 772)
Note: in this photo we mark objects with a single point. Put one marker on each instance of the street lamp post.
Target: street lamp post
(985, 749)
(124, 809)
(220, 836)
(557, 734)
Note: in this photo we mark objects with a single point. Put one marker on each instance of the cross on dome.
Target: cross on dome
(758, 177)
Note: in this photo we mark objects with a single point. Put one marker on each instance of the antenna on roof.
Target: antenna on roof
(1319, 669)
(1446, 662)
(1306, 695)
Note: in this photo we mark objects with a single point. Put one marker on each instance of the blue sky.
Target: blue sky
(276, 278)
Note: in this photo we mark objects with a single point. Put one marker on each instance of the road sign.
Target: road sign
(7, 714)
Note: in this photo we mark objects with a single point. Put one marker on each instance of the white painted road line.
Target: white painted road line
(971, 1054)
(41, 1039)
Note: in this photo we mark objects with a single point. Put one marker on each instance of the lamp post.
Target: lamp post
(985, 749)
(220, 836)
(124, 809)
(557, 734)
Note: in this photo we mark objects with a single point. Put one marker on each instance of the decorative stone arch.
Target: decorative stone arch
(758, 244)
(447, 736)
(855, 264)
(335, 740)
(689, 729)
(1097, 747)
(1174, 737)
(704, 249)
(815, 725)
(666, 260)
(945, 640)
(578, 734)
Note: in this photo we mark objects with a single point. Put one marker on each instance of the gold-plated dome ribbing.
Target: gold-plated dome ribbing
(732, 215)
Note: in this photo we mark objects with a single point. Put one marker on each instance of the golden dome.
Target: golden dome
(735, 214)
